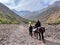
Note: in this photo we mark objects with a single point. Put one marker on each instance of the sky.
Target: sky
(29, 5)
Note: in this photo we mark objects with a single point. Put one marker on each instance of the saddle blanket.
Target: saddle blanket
(34, 29)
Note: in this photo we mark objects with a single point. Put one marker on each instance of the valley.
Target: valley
(14, 25)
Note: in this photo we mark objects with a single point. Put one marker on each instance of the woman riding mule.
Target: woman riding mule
(39, 30)
(38, 24)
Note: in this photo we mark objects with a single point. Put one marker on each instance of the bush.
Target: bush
(4, 21)
(15, 22)
(58, 21)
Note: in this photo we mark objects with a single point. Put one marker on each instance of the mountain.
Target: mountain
(54, 18)
(57, 3)
(8, 16)
(26, 14)
(50, 14)
(23, 14)
(38, 14)
(44, 14)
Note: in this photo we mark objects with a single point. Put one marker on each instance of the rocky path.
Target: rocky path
(32, 41)
(18, 35)
(52, 35)
(26, 39)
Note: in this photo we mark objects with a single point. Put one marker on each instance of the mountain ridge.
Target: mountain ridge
(33, 15)
(51, 9)
(44, 14)
(7, 16)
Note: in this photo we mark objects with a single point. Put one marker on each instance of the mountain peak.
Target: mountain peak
(57, 3)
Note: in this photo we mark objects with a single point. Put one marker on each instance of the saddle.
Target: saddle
(34, 29)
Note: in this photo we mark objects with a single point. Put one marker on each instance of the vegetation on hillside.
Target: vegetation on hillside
(54, 18)
(7, 18)
(26, 21)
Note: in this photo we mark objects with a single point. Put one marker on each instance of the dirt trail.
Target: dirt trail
(37, 42)
(18, 35)
(31, 41)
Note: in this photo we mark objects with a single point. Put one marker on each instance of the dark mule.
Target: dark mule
(39, 31)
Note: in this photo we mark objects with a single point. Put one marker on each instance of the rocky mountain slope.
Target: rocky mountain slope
(51, 10)
(8, 16)
(54, 18)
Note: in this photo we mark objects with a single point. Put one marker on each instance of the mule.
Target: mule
(39, 33)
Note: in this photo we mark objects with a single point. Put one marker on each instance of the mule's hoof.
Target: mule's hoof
(39, 39)
(43, 41)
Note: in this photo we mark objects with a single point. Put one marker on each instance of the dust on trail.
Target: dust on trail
(18, 35)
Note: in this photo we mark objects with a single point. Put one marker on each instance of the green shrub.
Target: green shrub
(58, 21)
(15, 22)
(4, 21)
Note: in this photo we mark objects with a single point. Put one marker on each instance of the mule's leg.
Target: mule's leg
(43, 38)
(36, 34)
(39, 36)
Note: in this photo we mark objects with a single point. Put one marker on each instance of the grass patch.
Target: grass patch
(6, 21)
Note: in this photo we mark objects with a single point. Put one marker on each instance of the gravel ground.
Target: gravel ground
(18, 35)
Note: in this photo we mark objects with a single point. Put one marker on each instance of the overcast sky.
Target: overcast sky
(30, 5)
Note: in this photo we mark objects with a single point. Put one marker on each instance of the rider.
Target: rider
(30, 23)
(30, 28)
(38, 24)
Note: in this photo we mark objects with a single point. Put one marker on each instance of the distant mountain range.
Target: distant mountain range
(8, 17)
(26, 14)
(43, 14)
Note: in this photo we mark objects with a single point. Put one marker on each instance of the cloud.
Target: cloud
(28, 5)
(31, 5)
